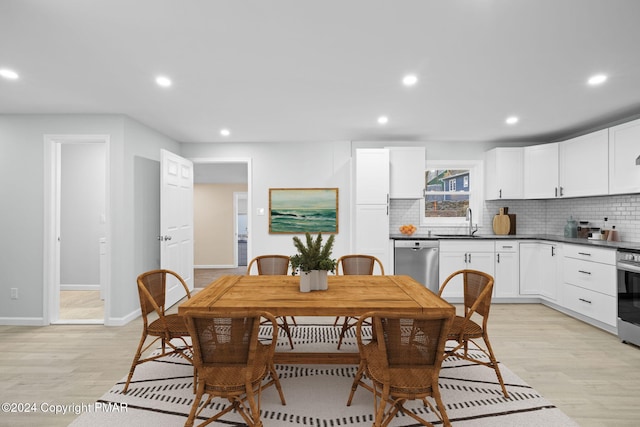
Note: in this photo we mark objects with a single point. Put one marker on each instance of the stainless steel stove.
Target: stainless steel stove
(628, 266)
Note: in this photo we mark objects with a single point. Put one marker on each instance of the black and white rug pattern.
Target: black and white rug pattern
(161, 394)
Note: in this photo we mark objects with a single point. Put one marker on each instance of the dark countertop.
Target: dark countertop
(548, 237)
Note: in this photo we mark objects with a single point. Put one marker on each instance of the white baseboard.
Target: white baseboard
(79, 287)
(121, 321)
(22, 321)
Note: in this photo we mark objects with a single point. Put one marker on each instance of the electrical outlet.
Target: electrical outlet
(14, 293)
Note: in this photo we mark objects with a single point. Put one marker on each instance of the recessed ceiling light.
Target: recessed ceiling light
(163, 81)
(410, 80)
(8, 74)
(597, 79)
(383, 120)
(512, 120)
(225, 132)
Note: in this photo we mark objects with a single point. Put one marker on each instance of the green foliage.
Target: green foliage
(313, 255)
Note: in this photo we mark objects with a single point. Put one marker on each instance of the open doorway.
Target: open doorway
(222, 225)
(79, 228)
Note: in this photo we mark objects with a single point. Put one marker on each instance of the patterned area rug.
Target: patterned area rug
(161, 394)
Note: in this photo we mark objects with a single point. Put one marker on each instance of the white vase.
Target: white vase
(305, 281)
(314, 280)
(319, 280)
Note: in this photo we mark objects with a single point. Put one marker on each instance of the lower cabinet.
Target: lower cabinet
(595, 305)
(540, 267)
(589, 286)
(507, 269)
(462, 254)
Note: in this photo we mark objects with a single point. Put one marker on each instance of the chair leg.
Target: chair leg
(276, 380)
(441, 408)
(494, 365)
(356, 381)
(194, 407)
(136, 358)
(285, 326)
(345, 328)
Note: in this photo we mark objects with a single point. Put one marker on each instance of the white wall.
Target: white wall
(286, 165)
(22, 165)
(82, 207)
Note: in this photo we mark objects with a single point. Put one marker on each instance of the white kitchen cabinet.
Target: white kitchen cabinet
(584, 169)
(504, 176)
(589, 286)
(540, 268)
(372, 176)
(460, 254)
(541, 171)
(407, 172)
(624, 158)
(507, 269)
(371, 219)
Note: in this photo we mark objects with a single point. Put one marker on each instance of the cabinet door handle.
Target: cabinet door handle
(469, 258)
(585, 300)
(556, 191)
(584, 272)
(498, 258)
(553, 251)
(500, 193)
(507, 247)
(561, 191)
(584, 253)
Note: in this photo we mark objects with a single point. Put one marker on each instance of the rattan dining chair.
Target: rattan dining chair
(355, 264)
(402, 360)
(274, 265)
(152, 287)
(478, 289)
(232, 363)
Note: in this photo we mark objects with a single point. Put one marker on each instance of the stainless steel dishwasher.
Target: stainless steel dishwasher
(418, 259)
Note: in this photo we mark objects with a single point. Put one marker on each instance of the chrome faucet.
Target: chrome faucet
(470, 219)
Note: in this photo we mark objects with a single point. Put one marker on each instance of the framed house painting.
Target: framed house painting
(301, 210)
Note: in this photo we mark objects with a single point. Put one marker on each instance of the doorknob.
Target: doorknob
(164, 238)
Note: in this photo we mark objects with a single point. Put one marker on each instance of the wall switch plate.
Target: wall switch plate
(14, 293)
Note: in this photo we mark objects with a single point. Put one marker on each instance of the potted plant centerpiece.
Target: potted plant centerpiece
(313, 261)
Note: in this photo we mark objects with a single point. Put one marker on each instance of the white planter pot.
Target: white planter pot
(305, 281)
(314, 280)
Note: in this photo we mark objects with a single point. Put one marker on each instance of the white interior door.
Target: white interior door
(176, 221)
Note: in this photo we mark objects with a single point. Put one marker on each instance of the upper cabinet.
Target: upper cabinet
(407, 169)
(372, 176)
(584, 170)
(624, 158)
(541, 171)
(503, 173)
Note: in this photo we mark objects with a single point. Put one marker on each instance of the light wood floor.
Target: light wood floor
(584, 371)
(81, 305)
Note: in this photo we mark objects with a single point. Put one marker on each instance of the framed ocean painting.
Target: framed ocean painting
(301, 210)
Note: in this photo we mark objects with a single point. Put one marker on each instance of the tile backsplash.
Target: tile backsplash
(540, 216)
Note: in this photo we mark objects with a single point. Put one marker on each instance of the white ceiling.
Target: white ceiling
(303, 70)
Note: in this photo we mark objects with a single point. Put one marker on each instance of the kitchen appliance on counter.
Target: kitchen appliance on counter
(420, 260)
(628, 269)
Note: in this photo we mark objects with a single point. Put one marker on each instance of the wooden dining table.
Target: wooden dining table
(347, 295)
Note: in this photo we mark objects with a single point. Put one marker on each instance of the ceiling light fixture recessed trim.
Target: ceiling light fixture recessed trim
(597, 79)
(8, 74)
(383, 120)
(225, 132)
(163, 81)
(410, 80)
(512, 120)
